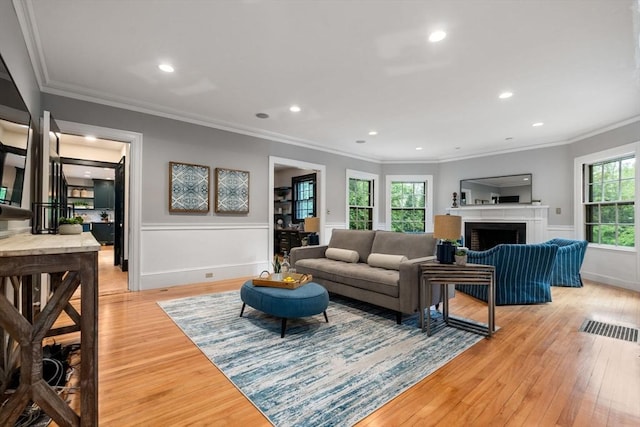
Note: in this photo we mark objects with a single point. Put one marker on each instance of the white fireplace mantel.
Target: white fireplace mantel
(535, 217)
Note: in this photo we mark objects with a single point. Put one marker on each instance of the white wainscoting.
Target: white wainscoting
(180, 254)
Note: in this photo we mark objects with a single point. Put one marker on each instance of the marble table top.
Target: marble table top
(47, 244)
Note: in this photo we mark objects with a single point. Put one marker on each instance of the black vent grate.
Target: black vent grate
(609, 330)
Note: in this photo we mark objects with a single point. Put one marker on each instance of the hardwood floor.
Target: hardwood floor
(538, 369)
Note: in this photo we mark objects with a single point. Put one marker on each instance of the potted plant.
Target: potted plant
(461, 255)
(105, 216)
(70, 225)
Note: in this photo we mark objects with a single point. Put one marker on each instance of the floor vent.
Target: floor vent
(609, 330)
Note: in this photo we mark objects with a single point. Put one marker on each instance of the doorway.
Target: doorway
(132, 199)
(94, 186)
(320, 170)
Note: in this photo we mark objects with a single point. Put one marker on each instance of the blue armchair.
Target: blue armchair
(566, 270)
(523, 273)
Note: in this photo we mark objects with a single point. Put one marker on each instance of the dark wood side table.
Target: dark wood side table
(434, 273)
(71, 261)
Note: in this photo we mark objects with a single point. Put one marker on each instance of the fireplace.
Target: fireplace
(480, 236)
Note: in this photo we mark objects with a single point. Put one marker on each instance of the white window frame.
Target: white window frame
(578, 191)
(428, 214)
(376, 189)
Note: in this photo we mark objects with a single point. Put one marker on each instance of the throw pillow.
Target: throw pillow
(390, 262)
(345, 255)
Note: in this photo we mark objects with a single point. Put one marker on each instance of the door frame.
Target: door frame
(320, 182)
(135, 186)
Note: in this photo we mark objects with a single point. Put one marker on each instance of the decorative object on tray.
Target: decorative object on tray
(282, 280)
(188, 188)
(461, 256)
(232, 191)
(285, 266)
(70, 225)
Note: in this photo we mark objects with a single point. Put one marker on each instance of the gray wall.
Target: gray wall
(613, 138)
(552, 176)
(167, 140)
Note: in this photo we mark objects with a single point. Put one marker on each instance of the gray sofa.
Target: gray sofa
(368, 266)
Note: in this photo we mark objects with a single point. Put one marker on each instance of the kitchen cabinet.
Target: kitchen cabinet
(103, 232)
(103, 194)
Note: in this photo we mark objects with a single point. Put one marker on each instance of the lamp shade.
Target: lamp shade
(312, 224)
(447, 227)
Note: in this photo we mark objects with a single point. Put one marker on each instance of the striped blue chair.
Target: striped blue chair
(566, 270)
(523, 273)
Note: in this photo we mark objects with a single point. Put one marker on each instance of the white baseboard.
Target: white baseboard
(163, 279)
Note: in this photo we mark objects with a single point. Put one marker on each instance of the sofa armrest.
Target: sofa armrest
(409, 284)
(303, 252)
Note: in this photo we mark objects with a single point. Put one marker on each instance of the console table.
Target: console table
(71, 261)
(434, 273)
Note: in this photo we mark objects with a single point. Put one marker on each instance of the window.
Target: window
(360, 204)
(304, 197)
(409, 206)
(610, 201)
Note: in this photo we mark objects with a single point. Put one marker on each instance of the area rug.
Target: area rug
(319, 374)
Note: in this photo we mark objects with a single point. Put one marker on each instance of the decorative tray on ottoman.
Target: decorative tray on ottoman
(282, 280)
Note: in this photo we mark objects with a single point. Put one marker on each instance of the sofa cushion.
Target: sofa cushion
(410, 245)
(345, 255)
(388, 261)
(355, 240)
(358, 275)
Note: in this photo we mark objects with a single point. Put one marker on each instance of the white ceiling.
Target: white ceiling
(353, 66)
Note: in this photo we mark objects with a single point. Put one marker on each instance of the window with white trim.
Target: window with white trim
(609, 201)
(304, 197)
(362, 200)
(409, 203)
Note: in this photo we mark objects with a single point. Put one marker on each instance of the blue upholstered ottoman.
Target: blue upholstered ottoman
(307, 300)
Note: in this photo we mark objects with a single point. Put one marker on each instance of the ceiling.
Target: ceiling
(353, 67)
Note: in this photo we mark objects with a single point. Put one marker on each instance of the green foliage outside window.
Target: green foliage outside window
(408, 206)
(610, 207)
(360, 204)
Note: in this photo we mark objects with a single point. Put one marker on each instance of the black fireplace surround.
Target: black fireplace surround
(480, 236)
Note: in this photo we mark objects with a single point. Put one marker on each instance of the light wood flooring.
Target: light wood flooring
(538, 369)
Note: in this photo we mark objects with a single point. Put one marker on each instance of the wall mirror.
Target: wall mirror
(496, 190)
(14, 138)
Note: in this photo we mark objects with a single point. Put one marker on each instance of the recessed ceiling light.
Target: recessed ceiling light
(538, 124)
(418, 148)
(525, 179)
(294, 109)
(373, 132)
(262, 115)
(457, 148)
(90, 138)
(437, 36)
(360, 141)
(166, 68)
(509, 138)
(505, 95)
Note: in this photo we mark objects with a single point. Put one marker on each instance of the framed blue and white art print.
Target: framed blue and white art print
(232, 191)
(188, 188)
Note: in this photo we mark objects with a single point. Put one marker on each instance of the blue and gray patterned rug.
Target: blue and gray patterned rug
(319, 374)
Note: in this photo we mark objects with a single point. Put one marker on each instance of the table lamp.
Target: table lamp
(446, 228)
(312, 225)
